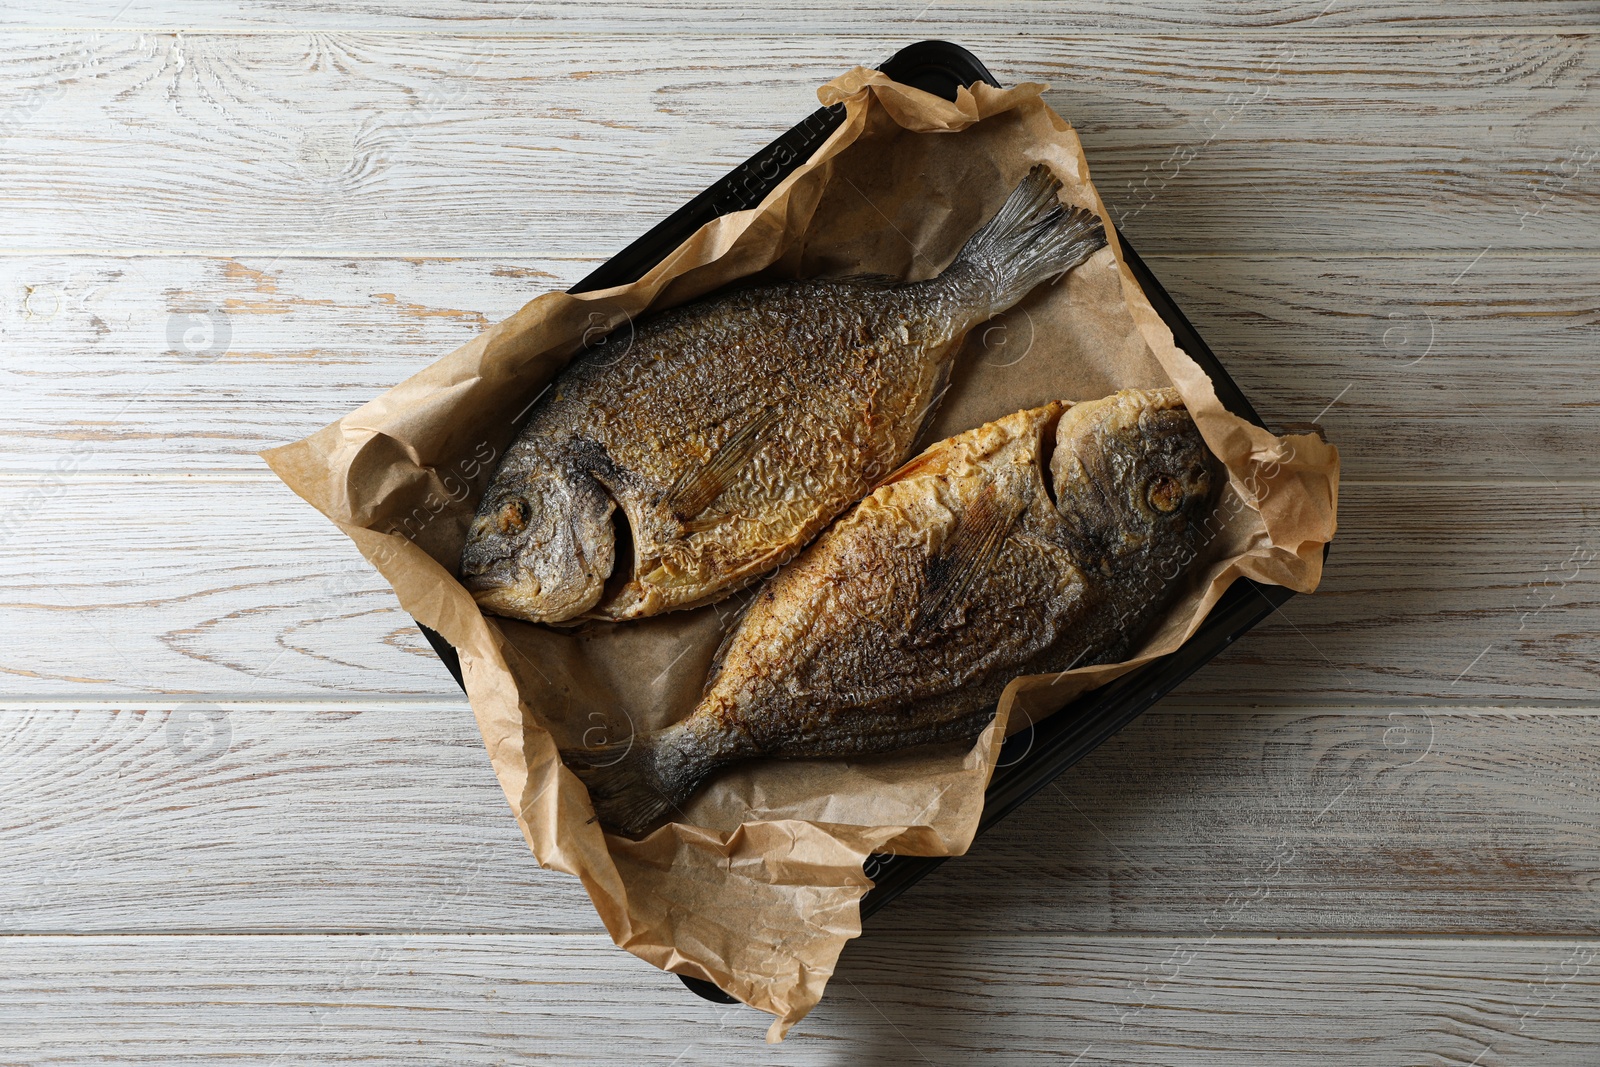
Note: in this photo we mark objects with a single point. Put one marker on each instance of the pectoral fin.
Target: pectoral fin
(697, 489)
(967, 554)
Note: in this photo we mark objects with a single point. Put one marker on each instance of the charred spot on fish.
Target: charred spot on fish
(588, 456)
(514, 515)
(1164, 493)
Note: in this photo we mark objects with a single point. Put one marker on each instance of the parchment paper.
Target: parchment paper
(758, 888)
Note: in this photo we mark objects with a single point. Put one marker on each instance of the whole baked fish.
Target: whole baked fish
(732, 429)
(904, 622)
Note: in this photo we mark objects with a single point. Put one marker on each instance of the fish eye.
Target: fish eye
(1164, 493)
(514, 515)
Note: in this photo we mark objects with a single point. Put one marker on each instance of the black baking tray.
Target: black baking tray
(1032, 758)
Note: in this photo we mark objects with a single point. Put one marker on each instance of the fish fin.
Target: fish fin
(701, 525)
(624, 783)
(696, 489)
(941, 386)
(871, 281)
(932, 460)
(969, 552)
(1034, 236)
(910, 468)
(925, 461)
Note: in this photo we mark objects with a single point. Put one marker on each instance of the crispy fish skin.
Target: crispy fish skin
(905, 621)
(731, 430)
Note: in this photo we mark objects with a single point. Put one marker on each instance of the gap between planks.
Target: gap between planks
(1380, 30)
(1259, 937)
(248, 477)
(1150, 258)
(15, 704)
(227, 475)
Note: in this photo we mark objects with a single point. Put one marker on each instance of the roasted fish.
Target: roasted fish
(732, 429)
(904, 622)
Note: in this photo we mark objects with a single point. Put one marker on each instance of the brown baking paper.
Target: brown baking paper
(757, 888)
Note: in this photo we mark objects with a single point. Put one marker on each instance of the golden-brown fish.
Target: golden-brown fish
(904, 622)
(733, 429)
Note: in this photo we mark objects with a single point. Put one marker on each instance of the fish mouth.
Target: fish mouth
(516, 599)
(493, 596)
(496, 575)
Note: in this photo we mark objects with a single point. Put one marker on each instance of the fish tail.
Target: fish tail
(1034, 236)
(633, 783)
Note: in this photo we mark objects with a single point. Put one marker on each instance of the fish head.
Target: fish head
(1134, 481)
(541, 545)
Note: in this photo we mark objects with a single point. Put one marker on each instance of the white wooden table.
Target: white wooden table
(246, 815)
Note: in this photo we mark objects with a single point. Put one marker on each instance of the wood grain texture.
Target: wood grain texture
(1420, 367)
(671, 19)
(1364, 835)
(1435, 594)
(348, 143)
(225, 817)
(1328, 822)
(900, 1000)
(1480, 593)
(200, 587)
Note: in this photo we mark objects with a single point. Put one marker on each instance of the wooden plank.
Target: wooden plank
(880, 19)
(1405, 820)
(1480, 593)
(906, 1000)
(448, 144)
(207, 816)
(1419, 368)
(1424, 159)
(201, 363)
(235, 817)
(199, 587)
(1433, 369)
